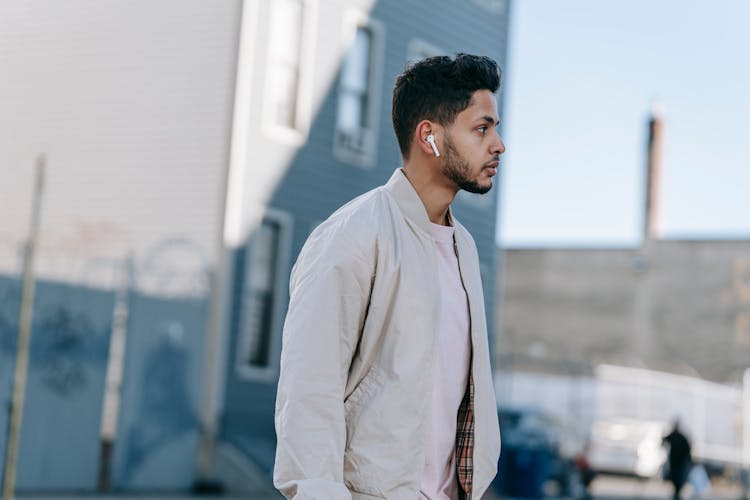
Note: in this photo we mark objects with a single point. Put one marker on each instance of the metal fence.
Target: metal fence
(158, 306)
(717, 416)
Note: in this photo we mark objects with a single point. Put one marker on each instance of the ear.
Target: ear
(424, 129)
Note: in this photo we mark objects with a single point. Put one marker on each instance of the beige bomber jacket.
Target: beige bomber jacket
(352, 408)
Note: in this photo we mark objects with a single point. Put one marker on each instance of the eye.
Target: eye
(482, 129)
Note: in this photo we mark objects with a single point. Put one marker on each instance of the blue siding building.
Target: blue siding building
(347, 147)
(191, 148)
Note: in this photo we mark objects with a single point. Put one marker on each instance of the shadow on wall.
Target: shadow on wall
(157, 433)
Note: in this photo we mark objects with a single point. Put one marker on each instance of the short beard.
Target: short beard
(457, 169)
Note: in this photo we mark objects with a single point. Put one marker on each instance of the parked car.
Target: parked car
(627, 446)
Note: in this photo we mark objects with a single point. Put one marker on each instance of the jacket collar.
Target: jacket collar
(409, 201)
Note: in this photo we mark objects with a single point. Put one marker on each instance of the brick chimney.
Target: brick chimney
(651, 220)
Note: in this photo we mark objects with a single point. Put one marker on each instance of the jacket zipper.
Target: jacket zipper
(471, 342)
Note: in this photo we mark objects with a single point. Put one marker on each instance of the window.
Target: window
(355, 80)
(358, 96)
(289, 43)
(260, 273)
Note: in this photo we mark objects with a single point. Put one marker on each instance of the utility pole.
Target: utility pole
(24, 337)
(115, 367)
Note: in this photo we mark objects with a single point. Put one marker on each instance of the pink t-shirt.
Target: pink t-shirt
(451, 373)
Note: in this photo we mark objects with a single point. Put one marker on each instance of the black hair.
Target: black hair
(438, 89)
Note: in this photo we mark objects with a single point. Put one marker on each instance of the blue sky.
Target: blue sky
(579, 83)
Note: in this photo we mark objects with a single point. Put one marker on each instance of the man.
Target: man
(385, 388)
(679, 458)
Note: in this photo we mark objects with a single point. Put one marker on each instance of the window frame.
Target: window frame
(297, 134)
(366, 157)
(279, 293)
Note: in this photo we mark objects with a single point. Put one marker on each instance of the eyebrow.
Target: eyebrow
(489, 119)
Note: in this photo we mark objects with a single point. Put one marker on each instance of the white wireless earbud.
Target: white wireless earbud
(431, 140)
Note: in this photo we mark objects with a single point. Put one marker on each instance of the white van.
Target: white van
(627, 446)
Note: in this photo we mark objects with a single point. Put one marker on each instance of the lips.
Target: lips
(492, 167)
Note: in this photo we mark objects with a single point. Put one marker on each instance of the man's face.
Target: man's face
(473, 146)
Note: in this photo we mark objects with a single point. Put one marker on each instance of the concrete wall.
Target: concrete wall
(681, 306)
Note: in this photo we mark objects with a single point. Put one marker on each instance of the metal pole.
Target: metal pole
(230, 237)
(113, 380)
(24, 337)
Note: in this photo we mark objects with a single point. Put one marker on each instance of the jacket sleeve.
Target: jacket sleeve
(329, 293)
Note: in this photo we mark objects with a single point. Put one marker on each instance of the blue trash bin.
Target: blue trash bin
(532, 469)
(529, 453)
(523, 470)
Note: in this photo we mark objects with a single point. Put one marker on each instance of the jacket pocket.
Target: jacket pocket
(360, 477)
(363, 489)
(368, 387)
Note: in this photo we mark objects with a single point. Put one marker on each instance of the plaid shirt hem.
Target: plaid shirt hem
(465, 441)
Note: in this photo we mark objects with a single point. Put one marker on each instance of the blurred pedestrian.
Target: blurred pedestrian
(680, 460)
(385, 388)
(586, 473)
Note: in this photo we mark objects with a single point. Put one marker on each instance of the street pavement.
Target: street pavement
(603, 488)
(614, 488)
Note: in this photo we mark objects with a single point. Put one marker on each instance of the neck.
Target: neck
(435, 191)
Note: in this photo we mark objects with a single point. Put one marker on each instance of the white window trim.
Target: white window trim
(280, 298)
(353, 20)
(295, 136)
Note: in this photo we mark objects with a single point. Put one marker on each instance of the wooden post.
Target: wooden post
(24, 337)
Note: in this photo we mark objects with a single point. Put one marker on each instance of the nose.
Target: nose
(498, 147)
